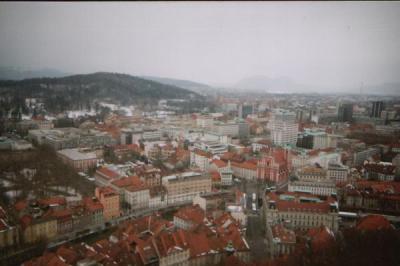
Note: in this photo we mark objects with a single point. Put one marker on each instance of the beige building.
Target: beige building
(38, 229)
(110, 200)
(185, 186)
(78, 159)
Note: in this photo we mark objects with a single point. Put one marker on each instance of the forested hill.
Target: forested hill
(71, 91)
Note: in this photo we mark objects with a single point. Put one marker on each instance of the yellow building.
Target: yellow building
(38, 229)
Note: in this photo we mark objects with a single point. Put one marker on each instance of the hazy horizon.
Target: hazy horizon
(324, 44)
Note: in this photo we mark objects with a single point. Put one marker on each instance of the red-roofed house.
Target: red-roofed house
(104, 176)
(188, 217)
(321, 238)
(280, 240)
(133, 191)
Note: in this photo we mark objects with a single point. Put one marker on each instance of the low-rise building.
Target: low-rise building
(80, 160)
(188, 217)
(280, 240)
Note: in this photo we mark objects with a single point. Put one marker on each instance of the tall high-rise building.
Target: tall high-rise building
(245, 110)
(345, 112)
(283, 127)
(377, 108)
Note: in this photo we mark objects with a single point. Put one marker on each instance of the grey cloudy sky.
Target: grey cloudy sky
(327, 43)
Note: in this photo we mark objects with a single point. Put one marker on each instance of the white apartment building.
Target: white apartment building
(283, 127)
(200, 159)
(137, 198)
(337, 172)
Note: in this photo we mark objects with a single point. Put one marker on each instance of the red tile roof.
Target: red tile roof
(246, 165)
(53, 201)
(215, 176)
(92, 204)
(193, 214)
(107, 191)
(127, 181)
(285, 235)
(373, 222)
(107, 173)
(219, 163)
(202, 153)
(321, 238)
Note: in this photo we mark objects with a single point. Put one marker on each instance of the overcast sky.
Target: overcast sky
(328, 44)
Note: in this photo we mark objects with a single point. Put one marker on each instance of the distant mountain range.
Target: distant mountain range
(74, 91)
(10, 73)
(197, 87)
(270, 85)
(287, 85)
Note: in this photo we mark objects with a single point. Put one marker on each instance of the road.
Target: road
(255, 234)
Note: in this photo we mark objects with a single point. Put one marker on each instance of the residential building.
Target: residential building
(94, 210)
(371, 196)
(224, 169)
(280, 240)
(381, 171)
(188, 217)
(109, 198)
(185, 186)
(338, 173)
(200, 159)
